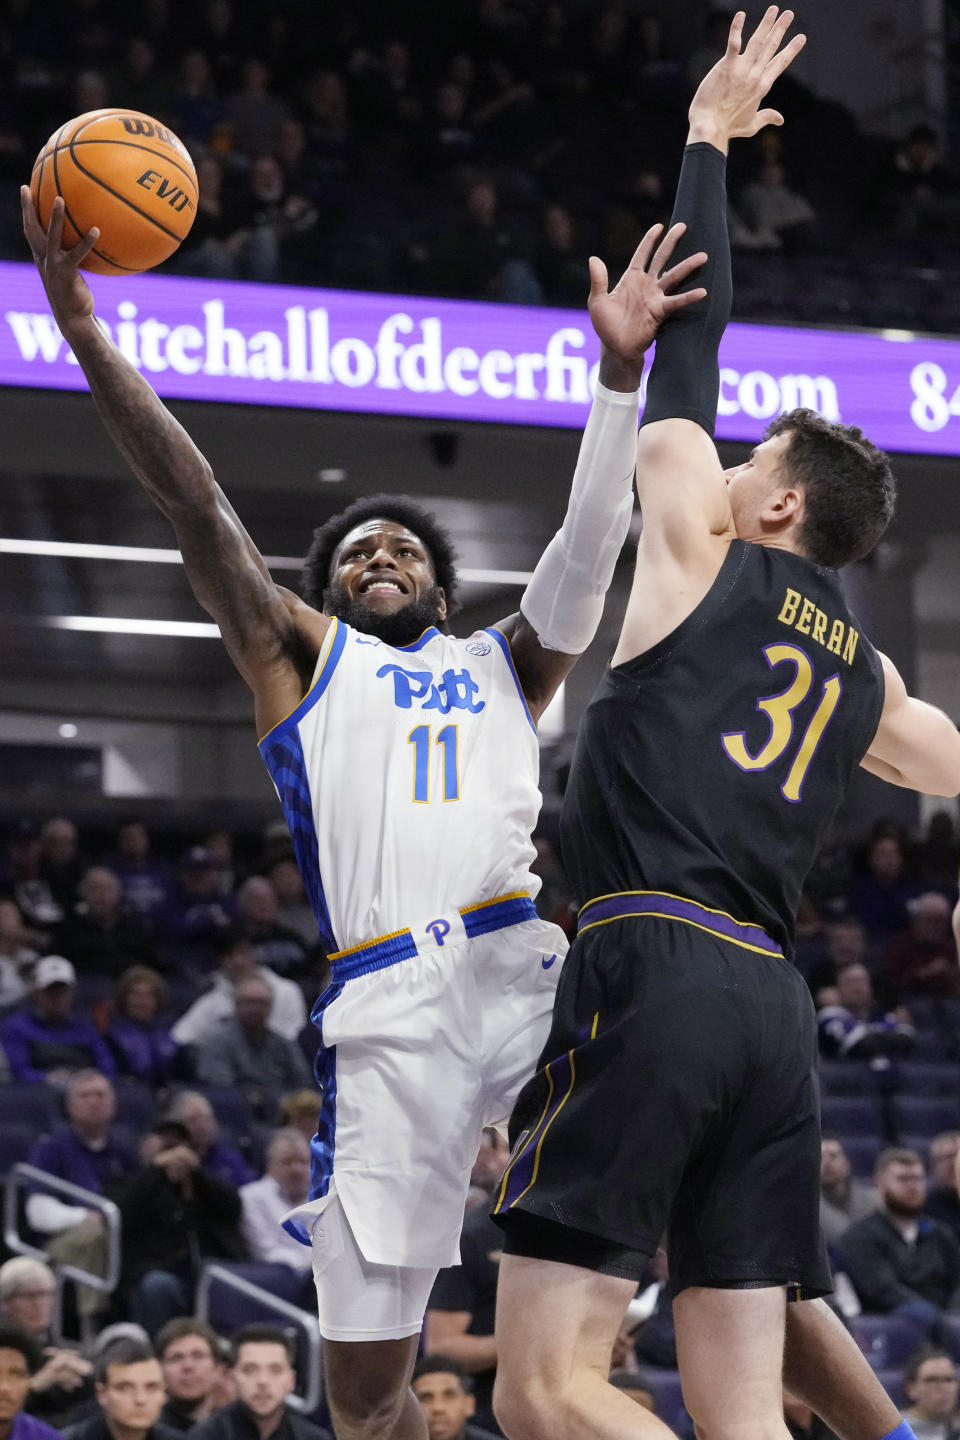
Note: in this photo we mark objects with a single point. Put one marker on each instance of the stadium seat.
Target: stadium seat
(886, 1340)
(950, 1334)
(664, 1386)
(853, 1114)
(136, 1104)
(36, 1105)
(16, 1142)
(928, 1077)
(231, 1108)
(925, 1115)
(930, 1045)
(846, 1077)
(891, 1378)
(228, 1308)
(862, 1152)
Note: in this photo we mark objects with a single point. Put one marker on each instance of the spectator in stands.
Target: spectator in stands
(300, 1110)
(845, 944)
(449, 141)
(194, 1111)
(64, 1382)
(930, 1383)
(61, 864)
(923, 958)
(194, 105)
(917, 192)
(196, 910)
(879, 894)
(488, 1167)
(264, 1375)
(17, 956)
(176, 1213)
(939, 854)
(195, 1372)
(266, 1201)
(147, 882)
(899, 1261)
(142, 1047)
(97, 936)
(47, 1042)
(219, 846)
(561, 261)
(274, 225)
(275, 945)
(855, 1027)
(943, 1200)
(294, 911)
(129, 1387)
(20, 877)
(20, 1359)
(87, 1153)
(253, 113)
(238, 960)
(482, 254)
(769, 206)
(244, 1051)
(842, 1199)
(446, 1396)
(462, 1306)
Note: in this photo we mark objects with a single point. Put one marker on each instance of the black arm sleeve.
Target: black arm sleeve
(685, 380)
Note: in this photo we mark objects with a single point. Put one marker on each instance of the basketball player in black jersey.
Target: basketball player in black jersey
(677, 1089)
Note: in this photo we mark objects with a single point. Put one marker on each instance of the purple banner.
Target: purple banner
(459, 360)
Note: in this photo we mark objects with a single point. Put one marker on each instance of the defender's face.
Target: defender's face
(750, 485)
(384, 566)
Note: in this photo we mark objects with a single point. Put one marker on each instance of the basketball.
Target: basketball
(125, 173)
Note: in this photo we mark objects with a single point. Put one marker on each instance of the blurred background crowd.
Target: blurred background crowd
(156, 1048)
(481, 150)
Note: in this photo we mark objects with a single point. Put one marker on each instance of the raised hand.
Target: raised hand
(727, 102)
(627, 317)
(68, 292)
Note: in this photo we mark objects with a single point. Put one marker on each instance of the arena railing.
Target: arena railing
(22, 1175)
(305, 1323)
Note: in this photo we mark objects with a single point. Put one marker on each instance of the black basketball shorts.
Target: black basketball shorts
(676, 1094)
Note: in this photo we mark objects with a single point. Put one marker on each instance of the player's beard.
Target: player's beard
(399, 627)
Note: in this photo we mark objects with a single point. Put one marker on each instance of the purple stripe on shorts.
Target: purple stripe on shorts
(521, 1171)
(614, 907)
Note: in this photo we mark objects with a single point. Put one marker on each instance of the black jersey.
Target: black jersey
(711, 766)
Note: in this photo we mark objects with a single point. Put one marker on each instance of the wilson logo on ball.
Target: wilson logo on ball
(164, 189)
(134, 126)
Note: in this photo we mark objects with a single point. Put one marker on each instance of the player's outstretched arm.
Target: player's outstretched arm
(916, 745)
(678, 471)
(258, 621)
(561, 607)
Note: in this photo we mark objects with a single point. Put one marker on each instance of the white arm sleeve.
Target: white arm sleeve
(564, 600)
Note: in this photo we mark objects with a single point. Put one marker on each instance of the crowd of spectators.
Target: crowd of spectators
(155, 1050)
(481, 150)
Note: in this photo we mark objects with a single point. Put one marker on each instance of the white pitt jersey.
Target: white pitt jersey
(409, 780)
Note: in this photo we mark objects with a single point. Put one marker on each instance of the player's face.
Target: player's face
(382, 581)
(751, 486)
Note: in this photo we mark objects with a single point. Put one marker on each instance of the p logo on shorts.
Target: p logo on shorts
(439, 929)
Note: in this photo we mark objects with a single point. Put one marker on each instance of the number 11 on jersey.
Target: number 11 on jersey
(419, 738)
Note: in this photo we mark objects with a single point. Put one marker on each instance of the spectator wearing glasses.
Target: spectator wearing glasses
(931, 1383)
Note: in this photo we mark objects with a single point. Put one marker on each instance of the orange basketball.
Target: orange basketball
(127, 174)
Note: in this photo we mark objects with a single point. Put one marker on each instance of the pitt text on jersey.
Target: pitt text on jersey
(456, 690)
(807, 618)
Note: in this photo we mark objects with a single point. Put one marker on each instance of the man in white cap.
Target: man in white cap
(46, 1041)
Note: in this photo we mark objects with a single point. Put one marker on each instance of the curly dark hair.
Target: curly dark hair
(848, 486)
(400, 508)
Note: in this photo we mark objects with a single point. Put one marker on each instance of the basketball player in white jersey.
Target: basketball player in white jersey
(406, 762)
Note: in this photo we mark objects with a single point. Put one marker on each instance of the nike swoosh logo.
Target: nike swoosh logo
(547, 963)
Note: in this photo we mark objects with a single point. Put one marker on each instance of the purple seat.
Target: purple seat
(16, 1142)
(928, 1077)
(929, 1045)
(892, 1381)
(853, 1114)
(228, 1309)
(136, 1105)
(950, 1334)
(231, 1107)
(665, 1387)
(925, 1114)
(846, 1077)
(36, 1105)
(886, 1340)
(862, 1152)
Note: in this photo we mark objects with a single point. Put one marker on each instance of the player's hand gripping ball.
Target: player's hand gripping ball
(125, 173)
